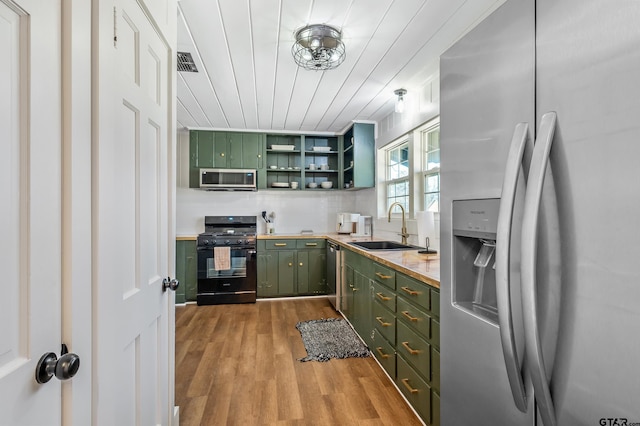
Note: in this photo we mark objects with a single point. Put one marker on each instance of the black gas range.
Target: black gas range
(227, 262)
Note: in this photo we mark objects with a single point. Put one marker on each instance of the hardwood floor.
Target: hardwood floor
(237, 365)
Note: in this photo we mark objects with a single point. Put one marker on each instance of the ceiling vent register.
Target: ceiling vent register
(185, 62)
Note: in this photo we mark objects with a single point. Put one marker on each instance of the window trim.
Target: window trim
(417, 172)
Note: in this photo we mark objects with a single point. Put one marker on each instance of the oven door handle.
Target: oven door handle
(251, 251)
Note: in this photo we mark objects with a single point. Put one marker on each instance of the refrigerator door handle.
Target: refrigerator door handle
(503, 257)
(533, 196)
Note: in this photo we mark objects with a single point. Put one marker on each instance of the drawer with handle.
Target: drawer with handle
(384, 321)
(384, 296)
(414, 349)
(384, 275)
(311, 243)
(416, 318)
(280, 244)
(414, 388)
(384, 353)
(414, 291)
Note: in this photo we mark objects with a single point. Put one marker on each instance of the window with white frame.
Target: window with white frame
(431, 168)
(410, 174)
(397, 174)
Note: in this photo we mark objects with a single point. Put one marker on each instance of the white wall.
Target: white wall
(295, 209)
(421, 106)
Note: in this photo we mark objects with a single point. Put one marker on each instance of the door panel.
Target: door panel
(30, 172)
(132, 209)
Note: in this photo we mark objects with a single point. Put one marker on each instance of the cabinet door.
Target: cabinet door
(286, 273)
(181, 266)
(186, 270)
(267, 275)
(220, 150)
(317, 271)
(201, 153)
(347, 293)
(359, 156)
(362, 307)
(303, 272)
(251, 156)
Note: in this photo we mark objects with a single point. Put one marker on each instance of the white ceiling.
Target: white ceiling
(247, 78)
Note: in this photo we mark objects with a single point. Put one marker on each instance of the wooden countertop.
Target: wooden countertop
(423, 267)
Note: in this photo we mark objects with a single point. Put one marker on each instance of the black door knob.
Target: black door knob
(62, 368)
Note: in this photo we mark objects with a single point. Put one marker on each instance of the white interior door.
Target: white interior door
(131, 226)
(30, 217)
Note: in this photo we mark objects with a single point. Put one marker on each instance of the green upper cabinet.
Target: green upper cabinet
(359, 156)
(223, 150)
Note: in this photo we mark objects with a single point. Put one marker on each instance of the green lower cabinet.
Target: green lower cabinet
(435, 409)
(267, 274)
(186, 270)
(403, 331)
(312, 267)
(347, 295)
(384, 352)
(286, 279)
(414, 388)
(284, 269)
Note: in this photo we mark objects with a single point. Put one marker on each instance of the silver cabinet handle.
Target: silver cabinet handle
(503, 258)
(533, 347)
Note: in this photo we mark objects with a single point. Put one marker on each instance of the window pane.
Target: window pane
(432, 202)
(431, 165)
(432, 150)
(432, 183)
(398, 162)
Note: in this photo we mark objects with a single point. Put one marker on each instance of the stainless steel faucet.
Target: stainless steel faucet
(404, 232)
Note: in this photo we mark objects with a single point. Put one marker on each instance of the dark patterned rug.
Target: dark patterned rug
(330, 338)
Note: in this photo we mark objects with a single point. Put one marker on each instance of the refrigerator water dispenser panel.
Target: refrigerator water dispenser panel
(474, 243)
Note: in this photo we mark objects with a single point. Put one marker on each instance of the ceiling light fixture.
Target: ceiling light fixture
(400, 100)
(318, 47)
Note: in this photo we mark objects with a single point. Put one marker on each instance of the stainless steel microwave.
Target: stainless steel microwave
(228, 179)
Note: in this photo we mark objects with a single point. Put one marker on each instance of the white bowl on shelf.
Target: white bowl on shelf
(280, 185)
(322, 148)
(273, 167)
(312, 185)
(326, 184)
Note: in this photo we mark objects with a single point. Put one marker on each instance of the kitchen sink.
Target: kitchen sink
(382, 245)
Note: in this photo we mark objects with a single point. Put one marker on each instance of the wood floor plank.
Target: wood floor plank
(238, 365)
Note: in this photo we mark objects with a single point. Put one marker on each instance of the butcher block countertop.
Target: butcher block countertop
(422, 267)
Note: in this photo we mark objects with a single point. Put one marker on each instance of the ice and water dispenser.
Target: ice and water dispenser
(474, 244)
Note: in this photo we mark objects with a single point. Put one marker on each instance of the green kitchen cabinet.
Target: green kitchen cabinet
(226, 150)
(358, 156)
(267, 273)
(312, 266)
(291, 267)
(286, 273)
(399, 320)
(186, 270)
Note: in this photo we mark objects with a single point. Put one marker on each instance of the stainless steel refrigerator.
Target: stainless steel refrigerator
(540, 191)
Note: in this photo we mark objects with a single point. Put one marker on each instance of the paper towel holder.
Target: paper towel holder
(427, 250)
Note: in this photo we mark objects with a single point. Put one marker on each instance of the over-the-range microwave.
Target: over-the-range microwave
(228, 179)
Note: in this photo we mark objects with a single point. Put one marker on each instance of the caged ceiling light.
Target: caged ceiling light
(318, 47)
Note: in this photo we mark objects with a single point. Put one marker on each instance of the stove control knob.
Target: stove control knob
(239, 242)
(205, 242)
(227, 242)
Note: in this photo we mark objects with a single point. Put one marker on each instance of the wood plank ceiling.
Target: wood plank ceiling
(247, 78)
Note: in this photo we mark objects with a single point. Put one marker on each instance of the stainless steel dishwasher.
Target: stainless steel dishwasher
(334, 274)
